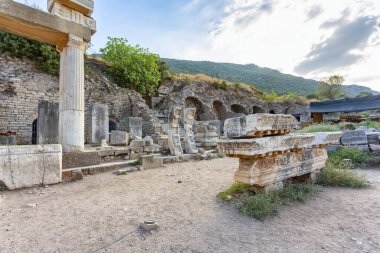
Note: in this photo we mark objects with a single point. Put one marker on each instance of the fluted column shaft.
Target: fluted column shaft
(71, 95)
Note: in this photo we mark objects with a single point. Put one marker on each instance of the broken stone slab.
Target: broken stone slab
(261, 124)
(151, 161)
(134, 127)
(98, 123)
(264, 146)
(355, 137)
(149, 225)
(324, 138)
(28, 166)
(267, 171)
(119, 138)
(148, 141)
(206, 134)
(375, 149)
(373, 137)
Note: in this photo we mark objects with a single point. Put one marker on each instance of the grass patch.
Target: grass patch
(263, 205)
(233, 192)
(319, 128)
(341, 177)
(2, 187)
(359, 158)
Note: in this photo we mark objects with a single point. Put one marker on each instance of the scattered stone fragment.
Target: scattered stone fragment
(31, 205)
(149, 225)
(77, 175)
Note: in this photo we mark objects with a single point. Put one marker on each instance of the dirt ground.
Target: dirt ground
(102, 214)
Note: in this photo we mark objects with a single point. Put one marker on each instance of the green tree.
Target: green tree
(331, 87)
(364, 94)
(132, 66)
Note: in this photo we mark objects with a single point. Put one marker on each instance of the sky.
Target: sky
(308, 38)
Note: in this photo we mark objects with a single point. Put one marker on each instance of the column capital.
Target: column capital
(73, 41)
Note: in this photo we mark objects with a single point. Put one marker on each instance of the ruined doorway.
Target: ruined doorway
(258, 109)
(219, 110)
(34, 132)
(238, 109)
(194, 102)
(111, 126)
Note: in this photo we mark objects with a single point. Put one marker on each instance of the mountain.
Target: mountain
(265, 79)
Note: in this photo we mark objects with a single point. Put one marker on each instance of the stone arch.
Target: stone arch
(236, 108)
(201, 113)
(258, 109)
(219, 110)
(34, 131)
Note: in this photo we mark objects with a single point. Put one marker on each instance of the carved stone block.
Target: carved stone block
(261, 124)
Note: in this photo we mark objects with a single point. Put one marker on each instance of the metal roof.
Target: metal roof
(358, 104)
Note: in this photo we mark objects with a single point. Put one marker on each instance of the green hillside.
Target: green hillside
(265, 79)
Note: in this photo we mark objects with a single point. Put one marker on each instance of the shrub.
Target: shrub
(264, 205)
(359, 158)
(331, 176)
(222, 85)
(45, 56)
(232, 192)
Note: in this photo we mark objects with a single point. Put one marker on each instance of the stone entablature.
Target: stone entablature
(267, 162)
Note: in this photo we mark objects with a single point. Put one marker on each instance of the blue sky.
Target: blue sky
(310, 38)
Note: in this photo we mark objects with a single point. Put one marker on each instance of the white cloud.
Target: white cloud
(281, 34)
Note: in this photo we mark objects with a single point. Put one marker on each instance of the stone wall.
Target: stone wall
(217, 104)
(22, 86)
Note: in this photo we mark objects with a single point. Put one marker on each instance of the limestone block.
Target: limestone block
(265, 171)
(259, 125)
(373, 137)
(151, 161)
(47, 124)
(83, 6)
(324, 138)
(80, 159)
(174, 142)
(134, 127)
(266, 145)
(375, 149)
(98, 127)
(355, 137)
(148, 141)
(119, 138)
(73, 15)
(206, 134)
(27, 166)
(190, 146)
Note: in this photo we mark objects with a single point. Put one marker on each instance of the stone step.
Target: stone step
(96, 169)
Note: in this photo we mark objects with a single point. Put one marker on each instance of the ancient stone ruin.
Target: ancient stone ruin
(268, 155)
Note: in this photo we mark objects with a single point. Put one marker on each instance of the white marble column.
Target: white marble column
(71, 95)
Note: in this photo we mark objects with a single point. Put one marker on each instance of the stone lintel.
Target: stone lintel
(83, 6)
(261, 124)
(38, 25)
(265, 145)
(270, 170)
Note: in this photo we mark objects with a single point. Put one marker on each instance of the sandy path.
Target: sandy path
(87, 215)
